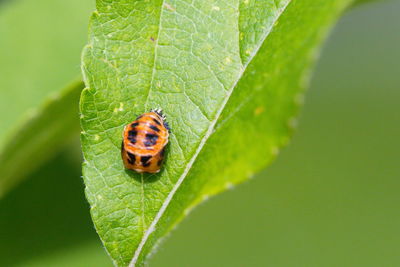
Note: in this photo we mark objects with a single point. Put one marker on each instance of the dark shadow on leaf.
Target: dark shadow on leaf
(147, 177)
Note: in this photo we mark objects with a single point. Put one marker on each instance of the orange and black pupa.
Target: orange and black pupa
(144, 142)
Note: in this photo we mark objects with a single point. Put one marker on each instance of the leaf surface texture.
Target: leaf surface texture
(229, 75)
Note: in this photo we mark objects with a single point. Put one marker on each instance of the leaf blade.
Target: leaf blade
(128, 205)
(39, 66)
(48, 132)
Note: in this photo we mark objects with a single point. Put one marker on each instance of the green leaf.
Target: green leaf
(40, 50)
(229, 76)
(48, 127)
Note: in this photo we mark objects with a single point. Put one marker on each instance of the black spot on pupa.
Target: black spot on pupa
(132, 136)
(132, 158)
(145, 161)
(146, 164)
(133, 125)
(166, 125)
(162, 152)
(151, 139)
(156, 121)
(154, 128)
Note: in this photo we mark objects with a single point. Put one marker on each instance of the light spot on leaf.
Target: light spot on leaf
(259, 110)
(227, 60)
(169, 7)
(229, 186)
(120, 108)
(274, 151)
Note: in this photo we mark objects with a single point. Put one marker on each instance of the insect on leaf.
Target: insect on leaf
(228, 74)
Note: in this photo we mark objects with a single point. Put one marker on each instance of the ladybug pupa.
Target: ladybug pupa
(144, 142)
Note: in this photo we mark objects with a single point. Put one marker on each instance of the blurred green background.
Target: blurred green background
(330, 199)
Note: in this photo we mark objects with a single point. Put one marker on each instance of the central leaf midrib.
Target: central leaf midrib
(154, 58)
(146, 109)
(203, 140)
